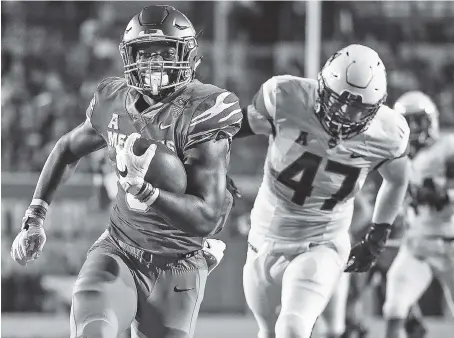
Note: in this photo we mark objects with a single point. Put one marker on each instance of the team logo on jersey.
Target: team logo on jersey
(114, 137)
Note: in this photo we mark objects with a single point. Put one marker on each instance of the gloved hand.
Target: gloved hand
(364, 254)
(213, 251)
(30, 241)
(133, 168)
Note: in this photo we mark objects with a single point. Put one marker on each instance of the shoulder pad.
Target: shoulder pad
(109, 86)
(198, 90)
(106, 90)
(394, 132)
(279, 90)
(447, 142)
(218, 115)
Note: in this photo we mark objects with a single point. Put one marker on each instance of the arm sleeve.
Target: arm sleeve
(217, 116)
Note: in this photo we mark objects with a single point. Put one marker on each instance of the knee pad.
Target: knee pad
(291, 325)
(98, 326)
(89, 322)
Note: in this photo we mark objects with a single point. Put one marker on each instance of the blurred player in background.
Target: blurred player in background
(427, 249)
(150, 267)
(325, 136)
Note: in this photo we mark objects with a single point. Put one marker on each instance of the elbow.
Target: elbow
(207, 226)
(208, 222)
(63, 151)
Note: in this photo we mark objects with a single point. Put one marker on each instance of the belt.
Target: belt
(253, 248)
(148, 257)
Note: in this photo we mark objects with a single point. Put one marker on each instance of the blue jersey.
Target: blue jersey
(195, 114)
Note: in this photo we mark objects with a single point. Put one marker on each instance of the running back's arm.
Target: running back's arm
(63, 159)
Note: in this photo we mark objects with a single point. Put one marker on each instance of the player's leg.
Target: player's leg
(414, 325)
(407, 279)
(307, 285)
(263, 295)
(335, 311)
(170, 294)
(354, 313)
(446, 275)
(104, 299)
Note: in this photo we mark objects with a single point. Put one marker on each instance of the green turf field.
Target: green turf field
(37, 326)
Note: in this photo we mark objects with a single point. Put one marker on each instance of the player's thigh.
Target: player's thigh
(105, 292)
(335, 312)
(310, 280)
(170, 307)
(261, 290)
(407, 279)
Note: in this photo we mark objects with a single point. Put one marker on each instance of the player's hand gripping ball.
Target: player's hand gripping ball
(143, 160)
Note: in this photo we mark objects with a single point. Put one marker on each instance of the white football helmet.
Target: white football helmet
(351, 88)
(421, 114)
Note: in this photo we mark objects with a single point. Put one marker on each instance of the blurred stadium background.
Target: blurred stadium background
(54, 54)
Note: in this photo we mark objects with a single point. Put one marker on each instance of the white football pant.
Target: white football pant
(418, 261)
(298, 278)
(336, 310)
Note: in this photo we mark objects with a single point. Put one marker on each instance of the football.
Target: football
(166, 171)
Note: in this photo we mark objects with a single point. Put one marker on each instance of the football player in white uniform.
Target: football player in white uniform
(325, 136)
(427, 248)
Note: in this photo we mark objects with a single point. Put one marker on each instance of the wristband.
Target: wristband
(377, 236)
(148, 194)
(36, 211)
(37, 201)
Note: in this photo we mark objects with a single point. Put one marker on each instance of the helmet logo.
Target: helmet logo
(151, 32)
(180, 27)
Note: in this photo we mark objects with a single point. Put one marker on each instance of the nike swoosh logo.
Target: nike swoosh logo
(162, 127)
(177, 289)
(355, 155)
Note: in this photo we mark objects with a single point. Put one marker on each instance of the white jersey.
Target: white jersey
(309, 180)
(431, 162)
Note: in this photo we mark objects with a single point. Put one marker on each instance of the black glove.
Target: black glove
(432, 194)
(364, 254)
